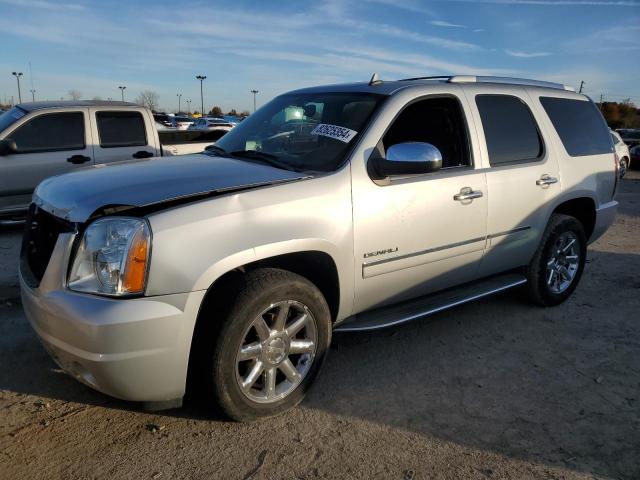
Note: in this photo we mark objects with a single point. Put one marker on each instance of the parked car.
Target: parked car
(235, 266)
(622, 151)
(182, 123)
(630, 136)
(634, 157)
(207, 123)
(41, 139)
(164, 119)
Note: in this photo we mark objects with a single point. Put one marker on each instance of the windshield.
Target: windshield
(302, 131)
(11, 116)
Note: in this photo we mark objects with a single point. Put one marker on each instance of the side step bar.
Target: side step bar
(389, 316)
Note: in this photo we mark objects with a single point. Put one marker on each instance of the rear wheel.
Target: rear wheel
(270, 346)
(556, 267)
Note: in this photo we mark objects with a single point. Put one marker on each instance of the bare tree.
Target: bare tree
(149, 99)
(74, 94)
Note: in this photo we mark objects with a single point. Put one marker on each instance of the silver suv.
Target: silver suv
(337, 208)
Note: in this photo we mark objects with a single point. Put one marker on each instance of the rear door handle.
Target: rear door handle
(78, 159)
(545, 180)
(466, 193)
(142, 154)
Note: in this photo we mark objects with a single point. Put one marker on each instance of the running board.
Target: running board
(424, 306)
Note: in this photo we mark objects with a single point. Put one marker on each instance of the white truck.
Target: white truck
(42, 139)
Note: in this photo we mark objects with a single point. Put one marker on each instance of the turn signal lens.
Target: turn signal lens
(135, 271)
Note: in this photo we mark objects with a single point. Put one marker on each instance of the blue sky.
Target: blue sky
(275, 46)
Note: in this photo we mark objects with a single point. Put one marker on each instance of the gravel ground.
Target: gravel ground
(494, 389)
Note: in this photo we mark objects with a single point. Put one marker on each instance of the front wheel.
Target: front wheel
(271, 345)
(624, 166)
(556, 267)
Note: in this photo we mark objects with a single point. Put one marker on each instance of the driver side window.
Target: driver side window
(438, 121)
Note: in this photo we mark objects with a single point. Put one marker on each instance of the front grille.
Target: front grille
(40, 236)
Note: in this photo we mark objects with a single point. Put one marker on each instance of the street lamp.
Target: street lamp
(201, 78)
(33, 95)
(189, 107)
(254, 98)
(18, 75)
(122, 91)
(179, 95)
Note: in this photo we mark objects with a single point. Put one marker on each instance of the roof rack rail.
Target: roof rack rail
(434, 77)
(507, 80)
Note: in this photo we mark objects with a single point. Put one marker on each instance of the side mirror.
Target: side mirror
(7, 147)
(411, 158)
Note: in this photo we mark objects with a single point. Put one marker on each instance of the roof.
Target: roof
(384, 87)
(30, 106)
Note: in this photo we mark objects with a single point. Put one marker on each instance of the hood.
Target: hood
(76, 196)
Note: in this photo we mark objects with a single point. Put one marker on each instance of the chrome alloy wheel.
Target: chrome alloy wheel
(564, 262)
(276, 352)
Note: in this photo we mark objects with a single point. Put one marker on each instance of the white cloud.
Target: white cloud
(559, 3)
(520, 54)
(441, 23)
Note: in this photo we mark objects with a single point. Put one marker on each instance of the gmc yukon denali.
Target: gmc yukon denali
(337, 208)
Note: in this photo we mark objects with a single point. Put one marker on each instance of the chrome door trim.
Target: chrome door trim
(444, 247)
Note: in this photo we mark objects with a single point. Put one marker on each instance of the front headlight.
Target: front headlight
(112, 258)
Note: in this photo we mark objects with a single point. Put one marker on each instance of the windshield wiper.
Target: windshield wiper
(267, 158)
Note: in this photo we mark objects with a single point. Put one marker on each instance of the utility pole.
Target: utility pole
(581, 85)
(201, 78)
(179, 95)
(33, 95)
(122, 87)
(255, 92)
(18, 75)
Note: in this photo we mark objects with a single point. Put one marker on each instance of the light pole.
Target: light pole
(122, 91)
(189, 107)
(33, 95)
(254, 98)
(179, 95)
(18, 75)
(201, 78)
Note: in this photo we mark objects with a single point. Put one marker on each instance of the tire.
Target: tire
(266, 294)
(542, 290)
(624, 166)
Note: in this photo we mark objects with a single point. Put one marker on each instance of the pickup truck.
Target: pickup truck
(337, 208)
(42, 139)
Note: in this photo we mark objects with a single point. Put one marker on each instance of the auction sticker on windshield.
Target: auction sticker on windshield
(334, 131)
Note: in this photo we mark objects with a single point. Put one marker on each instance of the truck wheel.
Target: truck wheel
(556, 267)
(271, 345)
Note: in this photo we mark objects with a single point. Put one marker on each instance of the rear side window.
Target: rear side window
(510, 130)
(579, 125)
(121, 129)
(51, 132)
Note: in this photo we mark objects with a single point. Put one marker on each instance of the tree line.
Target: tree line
(620, 114)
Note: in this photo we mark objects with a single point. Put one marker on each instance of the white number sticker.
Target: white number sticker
(334, 131)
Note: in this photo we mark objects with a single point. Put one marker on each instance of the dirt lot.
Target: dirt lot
(494, 389)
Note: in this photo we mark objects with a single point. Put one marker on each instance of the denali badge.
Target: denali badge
(380, 252)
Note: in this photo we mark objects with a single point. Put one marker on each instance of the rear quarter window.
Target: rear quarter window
(580, 126)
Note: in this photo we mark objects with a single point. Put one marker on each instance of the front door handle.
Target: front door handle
(546, 180)
(466, 193)
(142, 154)
(78, 159)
